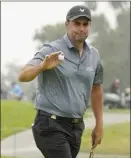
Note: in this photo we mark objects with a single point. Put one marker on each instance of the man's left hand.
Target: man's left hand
(97, 135)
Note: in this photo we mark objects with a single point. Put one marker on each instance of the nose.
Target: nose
(81, 28)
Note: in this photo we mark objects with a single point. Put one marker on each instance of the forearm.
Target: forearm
(29, 73)
(97, 103)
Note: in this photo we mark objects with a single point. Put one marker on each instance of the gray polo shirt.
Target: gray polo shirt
(65, 90)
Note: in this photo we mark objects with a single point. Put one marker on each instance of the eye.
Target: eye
(77, 23)
(85, 24)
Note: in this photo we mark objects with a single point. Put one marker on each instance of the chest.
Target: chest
(77, 68)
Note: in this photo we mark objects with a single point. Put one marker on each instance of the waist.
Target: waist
(60, 118)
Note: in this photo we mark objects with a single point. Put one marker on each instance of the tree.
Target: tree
(118, 4)
(50, 32)
(114, 48)
(93, 5)
(113, 44)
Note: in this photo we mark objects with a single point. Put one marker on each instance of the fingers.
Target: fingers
(95, 141)
(54, 55)
(94, 144)
(99, 141)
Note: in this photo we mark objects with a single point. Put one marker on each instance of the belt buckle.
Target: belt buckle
(75, 120)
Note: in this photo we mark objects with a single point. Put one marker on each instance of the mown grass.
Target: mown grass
(18, 116)
(8, 157)
(116, 140)
(15, 116)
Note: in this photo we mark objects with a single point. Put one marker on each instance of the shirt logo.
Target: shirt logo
(89, 69)
(82, 10)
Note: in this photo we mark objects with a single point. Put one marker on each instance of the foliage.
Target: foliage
(113, 44)
(50, 32)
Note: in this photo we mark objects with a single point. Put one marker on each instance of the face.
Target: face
(78, 29)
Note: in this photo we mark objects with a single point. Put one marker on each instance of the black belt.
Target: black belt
(60, 118)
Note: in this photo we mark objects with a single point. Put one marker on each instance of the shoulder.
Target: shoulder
(49, 48)
(96, 56)
(93, 50)
(52, 46)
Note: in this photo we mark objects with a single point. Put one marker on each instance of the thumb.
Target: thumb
(96, 142)
(93, 138)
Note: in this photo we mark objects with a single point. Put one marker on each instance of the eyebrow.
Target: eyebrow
(77, 21)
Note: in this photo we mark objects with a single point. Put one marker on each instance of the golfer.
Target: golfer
(64, 88)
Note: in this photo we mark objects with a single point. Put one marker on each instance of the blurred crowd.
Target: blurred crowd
(115, 98)
(15, 92)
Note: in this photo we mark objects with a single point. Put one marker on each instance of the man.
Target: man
(65, 87)
(115, 87)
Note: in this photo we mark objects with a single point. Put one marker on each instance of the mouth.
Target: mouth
(81, 34)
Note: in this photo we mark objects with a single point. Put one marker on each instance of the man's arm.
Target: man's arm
(97, 94)
(97, 105)
(97, 102)
(33, 67)
(29, 72)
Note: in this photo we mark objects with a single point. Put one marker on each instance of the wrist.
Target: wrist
(99, 121)
(42, 67)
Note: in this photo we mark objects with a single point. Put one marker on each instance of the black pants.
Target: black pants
(57, 138)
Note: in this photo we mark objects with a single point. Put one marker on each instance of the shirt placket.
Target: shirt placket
(81, 58)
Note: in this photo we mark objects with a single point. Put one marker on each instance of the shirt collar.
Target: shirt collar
(68, 42)
(87, 47)
(70, 45)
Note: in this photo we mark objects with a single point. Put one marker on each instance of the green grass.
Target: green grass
(116, 140)
(7, 157)
(21, 115)
(15, 116)
(87, 114)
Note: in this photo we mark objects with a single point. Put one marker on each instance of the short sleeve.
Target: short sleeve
(39, 56)
(98, 79)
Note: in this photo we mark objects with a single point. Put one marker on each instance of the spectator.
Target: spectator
(16, 91)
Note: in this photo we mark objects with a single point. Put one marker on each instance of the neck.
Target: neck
(79, 46)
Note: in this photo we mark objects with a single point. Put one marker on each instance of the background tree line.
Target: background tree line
(113, 45)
